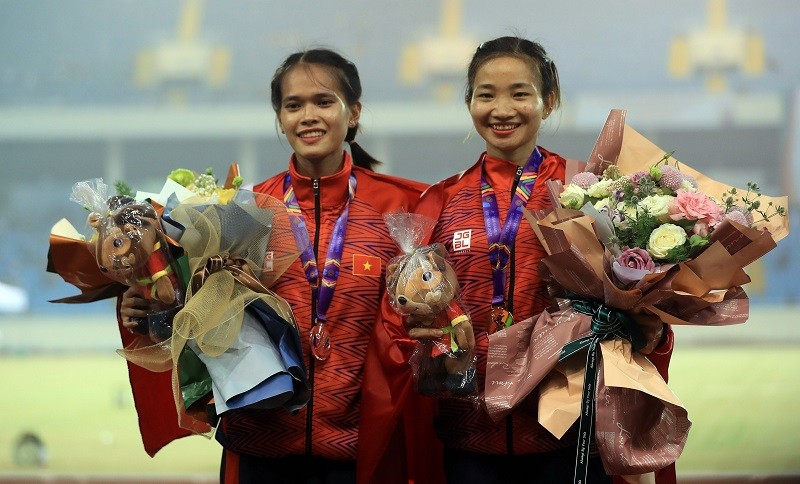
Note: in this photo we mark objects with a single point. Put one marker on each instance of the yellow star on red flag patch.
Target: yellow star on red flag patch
(366, 265)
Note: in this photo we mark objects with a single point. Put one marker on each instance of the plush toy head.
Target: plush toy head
(125, 237)
(423, 282)
(132, 249)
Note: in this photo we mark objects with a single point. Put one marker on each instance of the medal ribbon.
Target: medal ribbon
(501, 239)
(323, 293)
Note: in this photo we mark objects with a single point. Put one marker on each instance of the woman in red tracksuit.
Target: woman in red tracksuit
(336, 286)
(512, 87)
(316, 96)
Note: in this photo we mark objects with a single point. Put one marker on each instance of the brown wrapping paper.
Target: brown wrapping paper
(640, 424)
(522, 355)
(636, 410)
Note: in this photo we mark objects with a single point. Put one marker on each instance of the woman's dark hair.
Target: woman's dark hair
(523, 49)
(345, 73)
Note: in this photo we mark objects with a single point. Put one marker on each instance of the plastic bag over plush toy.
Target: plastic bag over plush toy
(422, 286)
(131, 248)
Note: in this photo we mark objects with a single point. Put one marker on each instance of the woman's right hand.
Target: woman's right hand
(133, 308)
(422, 327)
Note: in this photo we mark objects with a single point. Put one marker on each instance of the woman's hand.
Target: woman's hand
(464, 335)
(422, 327)
(462, 332)
(132, 309)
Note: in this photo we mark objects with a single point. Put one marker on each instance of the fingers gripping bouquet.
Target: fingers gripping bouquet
(634, 241)
(422, 286)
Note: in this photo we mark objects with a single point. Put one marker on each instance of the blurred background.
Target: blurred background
(129, 90)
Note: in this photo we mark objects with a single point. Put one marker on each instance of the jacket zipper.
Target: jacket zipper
(510, 308)
(311, 359)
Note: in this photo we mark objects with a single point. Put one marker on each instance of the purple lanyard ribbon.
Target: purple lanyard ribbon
(323, 293)
(501, 238)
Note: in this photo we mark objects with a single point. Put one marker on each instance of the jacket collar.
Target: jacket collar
(500, 173)
(333, 188)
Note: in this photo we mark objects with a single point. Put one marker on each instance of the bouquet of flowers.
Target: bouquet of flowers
(634, 241)
(422, 286)
(232, 338)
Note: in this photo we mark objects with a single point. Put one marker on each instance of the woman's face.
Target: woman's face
(507, 107)
(315, 118)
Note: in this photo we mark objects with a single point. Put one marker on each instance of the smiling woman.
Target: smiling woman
(315, 119)
(512, 87)
(507, 107)
(317, 97)
(337, 203)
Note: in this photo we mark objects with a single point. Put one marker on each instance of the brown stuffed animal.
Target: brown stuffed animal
(423, 286)
(131, 248)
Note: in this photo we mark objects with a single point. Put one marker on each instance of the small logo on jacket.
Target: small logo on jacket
(366, 265)
(462, 239)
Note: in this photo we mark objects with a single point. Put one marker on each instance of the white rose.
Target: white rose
(664, 238)
(600, 189)
(572, 197)
(656, 205)
(603, 204)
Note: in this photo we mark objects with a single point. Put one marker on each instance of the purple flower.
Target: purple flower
(737, 217)
(637, 177)
(671, 178)
(735, 211)
(585, 179)
(636, 258)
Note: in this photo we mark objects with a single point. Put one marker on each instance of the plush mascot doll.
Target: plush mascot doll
(423, 286)
(131, 248)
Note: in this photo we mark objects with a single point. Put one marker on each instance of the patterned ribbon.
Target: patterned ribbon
(330, 272)
(501, 238)
(607, 323)
(235, 265)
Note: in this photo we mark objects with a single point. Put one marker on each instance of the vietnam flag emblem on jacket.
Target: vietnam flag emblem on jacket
(366, 265)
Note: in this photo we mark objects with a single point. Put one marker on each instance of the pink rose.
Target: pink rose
(631, 266)
(695, 206)
(636, 259)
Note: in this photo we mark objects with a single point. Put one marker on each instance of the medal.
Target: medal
(499, 318)
(320, 340)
